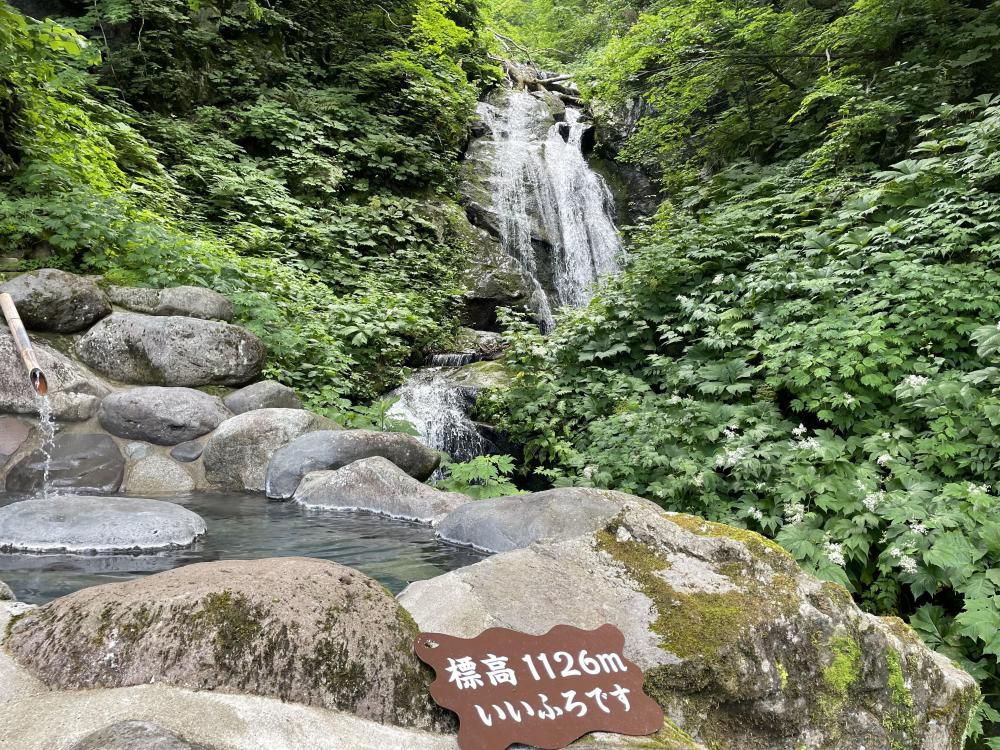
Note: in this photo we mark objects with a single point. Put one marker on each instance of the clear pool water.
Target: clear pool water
(242, 527)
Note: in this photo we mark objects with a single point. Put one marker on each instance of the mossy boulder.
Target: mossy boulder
(297, 629)
(740, 647)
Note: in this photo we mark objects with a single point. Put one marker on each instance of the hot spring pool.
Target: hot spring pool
(242, 527)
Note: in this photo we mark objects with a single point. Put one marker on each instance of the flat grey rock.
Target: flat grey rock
(186, 301)
(508, 523)
(52, 300)
(266, 394)
(187, 452)
(135, 735)
(82, 462)
(171, 351)
(378, 486)
(80, 523)
(320, 451)
(237, 454)
(163, 416)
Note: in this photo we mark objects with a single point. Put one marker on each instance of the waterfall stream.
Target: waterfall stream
(47, 426)
(555, 214)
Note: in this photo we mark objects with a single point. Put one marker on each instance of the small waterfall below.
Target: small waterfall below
(439, 410)
(555, 215)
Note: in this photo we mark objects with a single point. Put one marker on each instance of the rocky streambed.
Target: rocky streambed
(740, 647)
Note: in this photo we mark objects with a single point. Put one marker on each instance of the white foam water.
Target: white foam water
(47, 425)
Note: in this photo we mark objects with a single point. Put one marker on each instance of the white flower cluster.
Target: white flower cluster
(835, 552)
(795, 513)
(849, 399)
(730, 432)
(732, 457)
(918, 528)
(719, 278)
(916, 381)
(906, 563)
(810, 443)
(755, 513)
(699, 479)
(800, 430)
(883, 460)
(589, 471)
(873, 500)
(978, 488)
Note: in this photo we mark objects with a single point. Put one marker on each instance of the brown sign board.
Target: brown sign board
(546, 691)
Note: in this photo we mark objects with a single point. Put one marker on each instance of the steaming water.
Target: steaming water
(439, 410)
(243, 527)
(546, 176)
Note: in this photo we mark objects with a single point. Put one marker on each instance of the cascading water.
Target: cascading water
(553, 211)
(439, 410)
(47, 425)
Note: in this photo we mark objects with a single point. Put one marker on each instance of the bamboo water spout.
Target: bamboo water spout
(23, 344)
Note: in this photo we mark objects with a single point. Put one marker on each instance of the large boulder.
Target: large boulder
(740, 647)
(74, 393)
(266, 394)
(51, 300)
(237, 454)
(334, 449)
(189, 301)
(379, 486)
(82, 462)
(135, 735)
(13, 434)
(172, 351)
(302, 630)
(78, 523)
(507, 523)
(6, 594)
(163, 416)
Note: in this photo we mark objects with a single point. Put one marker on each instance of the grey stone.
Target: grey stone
(171, 351)
(737, 643)
(82, 462)
(69, 383)
(319, 451)
(195, 302)
(51, 300)
(163, 416)
(482, 375)
(135, 735)
(263, 395)
(186, 301)
(13, 433)
(297, 629)
(379, 486)
(507, 523)
(80, 523)
(237, 454)
(6, 595)
(157, 475)
(187, 452)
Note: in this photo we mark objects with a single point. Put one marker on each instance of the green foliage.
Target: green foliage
(805, 342)
(285, 161)
(375, 416)
(483, 477)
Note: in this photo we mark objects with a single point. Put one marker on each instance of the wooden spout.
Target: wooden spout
(23, 344)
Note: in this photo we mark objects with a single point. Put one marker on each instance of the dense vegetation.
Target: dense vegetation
(806, 341)
(297, 156)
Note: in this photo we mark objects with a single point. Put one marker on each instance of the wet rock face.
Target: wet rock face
(301, 630)
(56, 301)
(74, 392)
(237, 454)
(157, 475)
(328, 449)
(135, 735)
(78, 523)
(739, 646)
(171, 351)
(84, 463)
(13, 433)
(379, 486)
(163, 416)
(263, 395)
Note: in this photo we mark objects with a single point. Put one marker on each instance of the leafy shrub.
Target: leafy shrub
(483, 477)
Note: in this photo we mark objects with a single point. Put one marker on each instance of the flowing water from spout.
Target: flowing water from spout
(47, 425)
(553, 211)
(439, 410)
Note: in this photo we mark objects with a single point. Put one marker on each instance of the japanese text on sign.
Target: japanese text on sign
(545, 691)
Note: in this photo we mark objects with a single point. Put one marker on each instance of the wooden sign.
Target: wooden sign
(546, 691)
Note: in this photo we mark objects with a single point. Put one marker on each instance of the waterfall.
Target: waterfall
(47, 425)
(439, 410)
(555, 215)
